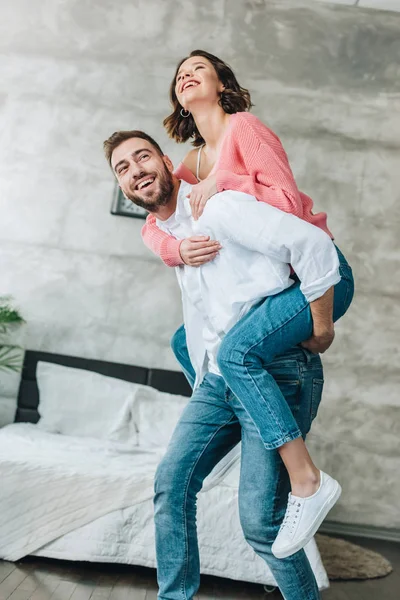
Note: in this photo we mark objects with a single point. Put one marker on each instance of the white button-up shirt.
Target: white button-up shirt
(259, 242)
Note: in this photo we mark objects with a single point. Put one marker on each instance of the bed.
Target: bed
(82, 498)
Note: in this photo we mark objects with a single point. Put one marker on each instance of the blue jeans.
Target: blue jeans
(273, 326)
(213, 422)
(276, 324)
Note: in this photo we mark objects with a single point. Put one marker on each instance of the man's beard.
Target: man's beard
(166, 188)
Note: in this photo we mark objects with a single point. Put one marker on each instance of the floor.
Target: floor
(46, 579)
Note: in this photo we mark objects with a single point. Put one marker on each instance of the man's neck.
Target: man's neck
(165, 212)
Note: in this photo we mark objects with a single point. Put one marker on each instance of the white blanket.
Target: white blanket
(86, 499)
(52, 484)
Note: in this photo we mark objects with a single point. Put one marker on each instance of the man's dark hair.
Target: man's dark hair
(121, 136)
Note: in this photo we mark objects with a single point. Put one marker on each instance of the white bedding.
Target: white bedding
(86, 499)
(52, 484)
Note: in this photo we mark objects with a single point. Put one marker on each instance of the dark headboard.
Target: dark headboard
(28, 395)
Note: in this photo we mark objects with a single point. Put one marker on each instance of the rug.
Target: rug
(344, 560)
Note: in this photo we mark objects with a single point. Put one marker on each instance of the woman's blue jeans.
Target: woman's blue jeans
(213, 422)
(276, 324)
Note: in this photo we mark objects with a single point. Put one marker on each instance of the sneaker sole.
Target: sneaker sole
(329, 504)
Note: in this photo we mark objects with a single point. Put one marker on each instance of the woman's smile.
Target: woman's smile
(192, 82)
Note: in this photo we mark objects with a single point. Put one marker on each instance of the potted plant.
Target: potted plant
(10, 354)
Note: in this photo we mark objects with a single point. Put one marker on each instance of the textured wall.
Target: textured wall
(326, 78)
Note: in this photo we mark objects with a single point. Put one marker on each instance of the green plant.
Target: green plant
(10, 354)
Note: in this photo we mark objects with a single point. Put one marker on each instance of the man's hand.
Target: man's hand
(320, 341)
(198, 250)
(200, 194)
(323, 328)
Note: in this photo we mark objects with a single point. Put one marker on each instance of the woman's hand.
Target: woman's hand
(198, 250)
(201, 192)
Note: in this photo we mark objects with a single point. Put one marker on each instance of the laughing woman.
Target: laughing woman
(234, 150)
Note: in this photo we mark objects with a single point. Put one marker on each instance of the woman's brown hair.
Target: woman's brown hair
(233, 99)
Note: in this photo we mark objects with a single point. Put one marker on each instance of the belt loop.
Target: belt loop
(307, 354)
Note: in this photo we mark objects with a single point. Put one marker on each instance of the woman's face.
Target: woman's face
(197, 81)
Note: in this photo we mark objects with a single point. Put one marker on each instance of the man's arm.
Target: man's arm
(323, 327)
(282, 236)
(265, 229)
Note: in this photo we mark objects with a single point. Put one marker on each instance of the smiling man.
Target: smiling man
(259, 242)
(148, 189)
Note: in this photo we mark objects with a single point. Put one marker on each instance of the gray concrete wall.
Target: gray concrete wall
(324, 77)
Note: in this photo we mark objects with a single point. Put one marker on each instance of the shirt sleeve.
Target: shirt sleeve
(267, 175)
(262, 228)
(163, 245)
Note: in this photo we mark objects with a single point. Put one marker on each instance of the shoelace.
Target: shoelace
(291, 515)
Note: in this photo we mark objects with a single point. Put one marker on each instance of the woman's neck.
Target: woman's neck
(211, 123)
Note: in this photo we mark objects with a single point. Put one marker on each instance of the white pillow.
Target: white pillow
(86, 404)
(156, 414)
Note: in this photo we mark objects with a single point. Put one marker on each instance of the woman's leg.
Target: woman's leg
(280, 322)
(295, 454)
(179, 347)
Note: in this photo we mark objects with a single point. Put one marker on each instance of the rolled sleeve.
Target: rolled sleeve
(316, 289)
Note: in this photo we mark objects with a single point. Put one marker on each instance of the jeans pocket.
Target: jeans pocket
(316, 395)
(290, 389)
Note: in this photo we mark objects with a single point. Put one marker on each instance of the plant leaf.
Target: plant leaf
(10, 357)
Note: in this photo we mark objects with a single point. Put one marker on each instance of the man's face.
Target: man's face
(143, 175)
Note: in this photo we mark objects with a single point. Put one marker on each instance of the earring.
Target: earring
(183, 115)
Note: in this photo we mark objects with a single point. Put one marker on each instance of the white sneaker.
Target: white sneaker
(304, 516)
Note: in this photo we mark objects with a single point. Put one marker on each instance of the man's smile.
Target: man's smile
(145, 182)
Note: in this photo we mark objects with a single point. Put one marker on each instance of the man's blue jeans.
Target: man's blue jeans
(213, 422)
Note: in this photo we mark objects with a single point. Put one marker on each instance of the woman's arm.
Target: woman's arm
(269, 177)
(193, 251)
(165, 246)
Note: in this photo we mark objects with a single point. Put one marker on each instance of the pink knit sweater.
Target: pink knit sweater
(251, 160)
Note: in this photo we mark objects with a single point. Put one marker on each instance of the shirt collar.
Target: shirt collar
(183, 209)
